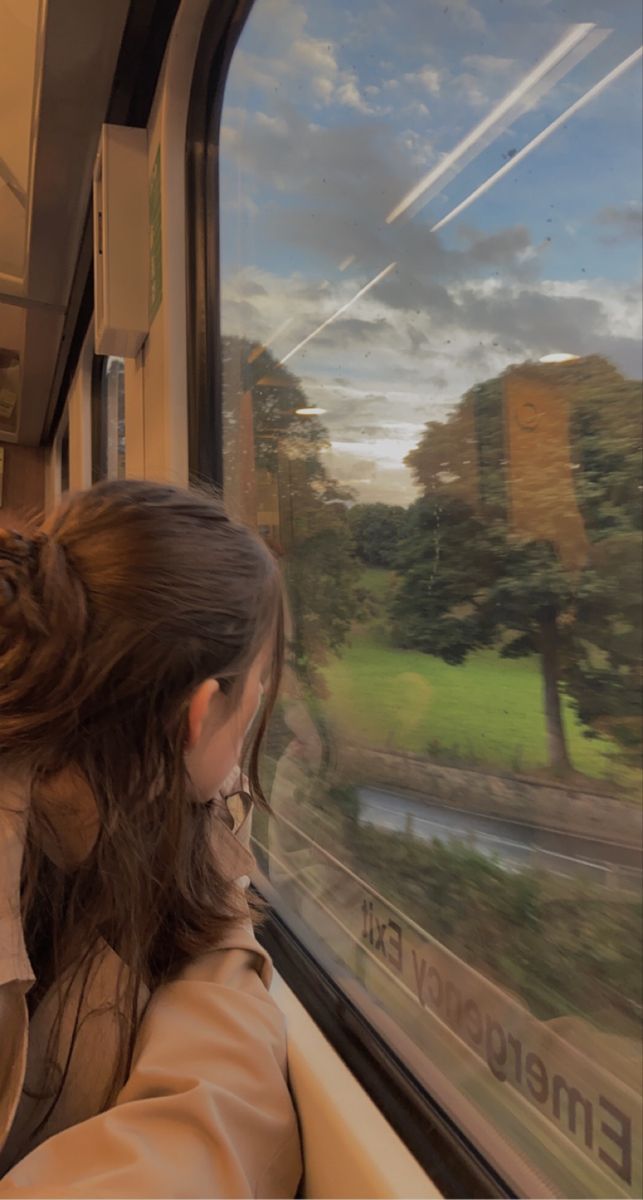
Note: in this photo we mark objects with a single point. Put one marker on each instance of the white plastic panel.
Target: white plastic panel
(121, 241)
(349, 1147)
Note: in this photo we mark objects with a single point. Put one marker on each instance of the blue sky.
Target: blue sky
(331, 117)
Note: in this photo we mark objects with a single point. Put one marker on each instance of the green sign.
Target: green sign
(156, 262)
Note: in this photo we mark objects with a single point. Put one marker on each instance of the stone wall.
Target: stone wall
(514, 798)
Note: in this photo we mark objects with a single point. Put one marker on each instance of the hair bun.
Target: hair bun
(19, 568)
(43, 617)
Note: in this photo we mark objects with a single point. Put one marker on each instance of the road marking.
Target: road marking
(492, 837)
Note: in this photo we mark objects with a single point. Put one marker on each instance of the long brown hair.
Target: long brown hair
(112, 611)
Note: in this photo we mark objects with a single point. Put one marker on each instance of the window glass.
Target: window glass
(431, 316)
(108, 419)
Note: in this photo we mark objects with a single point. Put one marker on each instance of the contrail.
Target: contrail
(576, 35)
(540, 137)
(362, 292)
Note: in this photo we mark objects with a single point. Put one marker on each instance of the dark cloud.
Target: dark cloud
(476, 357)
(530, 322)
(495, 249)
(418, 339)
(353, 419)
(341, 182)
(621, 223)
(356, 331)
(624, 353)
(413, 289)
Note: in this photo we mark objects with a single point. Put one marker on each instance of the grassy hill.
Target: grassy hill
(488, 710)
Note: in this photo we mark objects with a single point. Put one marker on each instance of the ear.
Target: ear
(199, 709)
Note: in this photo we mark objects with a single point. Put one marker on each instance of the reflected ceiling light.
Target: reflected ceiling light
(541, 137)
(344, 307)
(576, 35)
(346, 262)
(558, 358)
(309, 412)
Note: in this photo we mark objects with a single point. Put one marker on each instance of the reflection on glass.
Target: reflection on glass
(9, 388)
(108, 421)
(432, 413)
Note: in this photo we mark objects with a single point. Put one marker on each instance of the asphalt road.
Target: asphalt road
(515, 845)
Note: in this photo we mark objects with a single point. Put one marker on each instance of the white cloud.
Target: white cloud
(349, 95)
(408, 351)
(292, 57)
(229, 137)
(416, 109)
(275, 124)
(241, 202)
(419, 149)
(252, 69)
(623, 304)
(473, 90)
(314, 54)
(466, 16)
(428, 78)
(322, 88)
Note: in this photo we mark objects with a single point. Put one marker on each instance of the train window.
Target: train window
(108, 418)
(430, 222)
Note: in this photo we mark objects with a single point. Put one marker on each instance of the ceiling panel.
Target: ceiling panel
(20, 48)
(57, 61)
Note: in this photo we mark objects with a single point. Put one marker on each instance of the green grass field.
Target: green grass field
(488, 710)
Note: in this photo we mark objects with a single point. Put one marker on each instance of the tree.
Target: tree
(376, 530)
(276, 479)
(605, 677)
(437, 606)
(525, 536)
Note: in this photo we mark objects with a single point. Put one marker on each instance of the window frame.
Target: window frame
(98, 420)
(222, 27)
(452, 1161)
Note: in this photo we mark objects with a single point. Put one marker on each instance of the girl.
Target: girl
(140, 1051)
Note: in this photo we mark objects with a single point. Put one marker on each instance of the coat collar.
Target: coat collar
(22, 1048)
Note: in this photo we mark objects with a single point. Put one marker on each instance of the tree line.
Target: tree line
(525, 536)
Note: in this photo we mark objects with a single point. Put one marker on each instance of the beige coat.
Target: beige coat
(206, 1111)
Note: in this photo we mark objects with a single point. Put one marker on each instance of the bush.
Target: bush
(565, 946)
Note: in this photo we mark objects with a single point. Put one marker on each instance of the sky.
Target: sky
(349, 133)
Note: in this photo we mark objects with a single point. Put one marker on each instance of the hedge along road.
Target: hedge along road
(515, 845)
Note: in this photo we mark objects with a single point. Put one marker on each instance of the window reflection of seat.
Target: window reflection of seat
(108, 418)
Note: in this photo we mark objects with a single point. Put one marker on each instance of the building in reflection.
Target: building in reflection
(513, 448)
